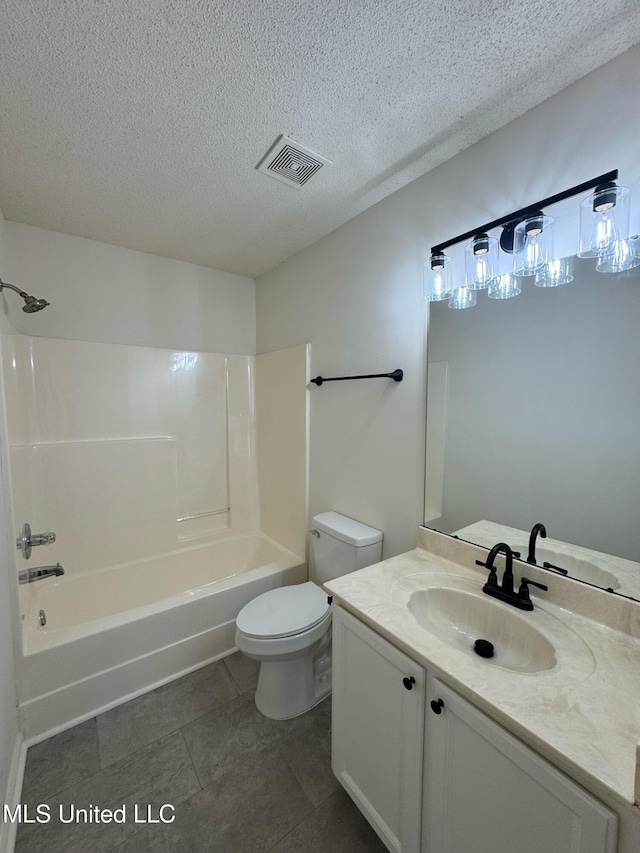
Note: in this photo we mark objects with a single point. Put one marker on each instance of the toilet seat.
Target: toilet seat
(284, 612)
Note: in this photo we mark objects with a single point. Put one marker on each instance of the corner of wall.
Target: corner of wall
(282, 415)
(6, 325)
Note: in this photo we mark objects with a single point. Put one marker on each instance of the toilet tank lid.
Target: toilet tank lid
(346, 529)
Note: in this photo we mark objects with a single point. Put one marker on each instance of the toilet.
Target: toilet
(289, 629)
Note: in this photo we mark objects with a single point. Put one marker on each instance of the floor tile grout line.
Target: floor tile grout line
(305, 818)
(292, 770)
(271, 746)
(125, 840)
(233, 678)
(299, 781)
(177, 729)
(280, 746)
(217, 779)
(126, 797)
(86, 779)
(195, 769)
(48, 796)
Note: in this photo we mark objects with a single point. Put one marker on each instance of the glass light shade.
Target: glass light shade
(437, 278)
(625, 255)
(462, 297)
(604, 220)
(558, 271)
(504, 287)
(532, 244)
(481, 262)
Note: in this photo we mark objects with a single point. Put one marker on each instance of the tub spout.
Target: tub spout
(39, 573)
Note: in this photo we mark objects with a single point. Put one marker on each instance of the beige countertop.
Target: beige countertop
(583, 714)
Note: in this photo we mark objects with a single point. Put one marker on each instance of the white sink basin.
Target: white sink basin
(584, 570)
(453, 610)
(460, 617)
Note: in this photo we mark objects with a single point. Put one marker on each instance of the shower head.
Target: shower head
(31, 303)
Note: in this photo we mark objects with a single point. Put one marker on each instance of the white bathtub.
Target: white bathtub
(114, 634)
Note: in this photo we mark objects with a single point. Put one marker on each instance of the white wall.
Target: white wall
(108, 294)
(9, 733)
(6, 325)
(356, 295)
(282, 418)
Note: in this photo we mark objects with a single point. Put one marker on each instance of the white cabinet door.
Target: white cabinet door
(378, 724)
(485, 792)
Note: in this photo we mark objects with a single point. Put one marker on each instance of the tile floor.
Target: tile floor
(240, 783)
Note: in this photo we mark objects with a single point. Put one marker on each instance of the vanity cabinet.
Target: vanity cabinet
(433, 774)
(378, 724)
(487, 792)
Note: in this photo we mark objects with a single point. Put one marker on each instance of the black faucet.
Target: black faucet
(505, 593)
(507, 578)
(536, 529)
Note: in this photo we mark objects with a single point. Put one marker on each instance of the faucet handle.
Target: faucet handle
(27, 540)
(553, 568)
(492, 580)
(523, 592)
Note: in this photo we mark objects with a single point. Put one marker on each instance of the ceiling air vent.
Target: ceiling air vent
(292, 163)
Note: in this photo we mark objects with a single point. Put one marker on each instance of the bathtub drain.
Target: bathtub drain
(42, 618)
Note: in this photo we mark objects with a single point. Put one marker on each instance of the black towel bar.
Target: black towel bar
(396, 376)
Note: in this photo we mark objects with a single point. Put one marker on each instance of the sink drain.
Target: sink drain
(483, 648)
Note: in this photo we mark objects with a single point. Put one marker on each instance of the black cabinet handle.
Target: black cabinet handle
(409, 682)
(437, 705)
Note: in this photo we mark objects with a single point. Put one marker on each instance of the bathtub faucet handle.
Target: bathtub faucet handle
(27, 540)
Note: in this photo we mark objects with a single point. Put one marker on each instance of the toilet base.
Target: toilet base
(289, 688)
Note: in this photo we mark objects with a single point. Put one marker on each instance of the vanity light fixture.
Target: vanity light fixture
(527, 234)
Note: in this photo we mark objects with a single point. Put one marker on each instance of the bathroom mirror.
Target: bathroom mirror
(534, 416)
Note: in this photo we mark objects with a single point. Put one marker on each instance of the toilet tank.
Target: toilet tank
(342, 545)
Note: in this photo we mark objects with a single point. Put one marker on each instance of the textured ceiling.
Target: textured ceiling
(140, 122)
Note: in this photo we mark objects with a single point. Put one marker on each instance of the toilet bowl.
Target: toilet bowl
(289, 629)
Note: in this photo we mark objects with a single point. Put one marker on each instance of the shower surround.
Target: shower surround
(151, 469)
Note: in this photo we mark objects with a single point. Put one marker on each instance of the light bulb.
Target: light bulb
(463, 297)
(623, 256)
(604, 219)
(481, 261)
(604, 234)
(532, 253)
(439, 289)
(533, 244)
(504, 287)
(437, 278)
(483, 275)
(556, 272)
